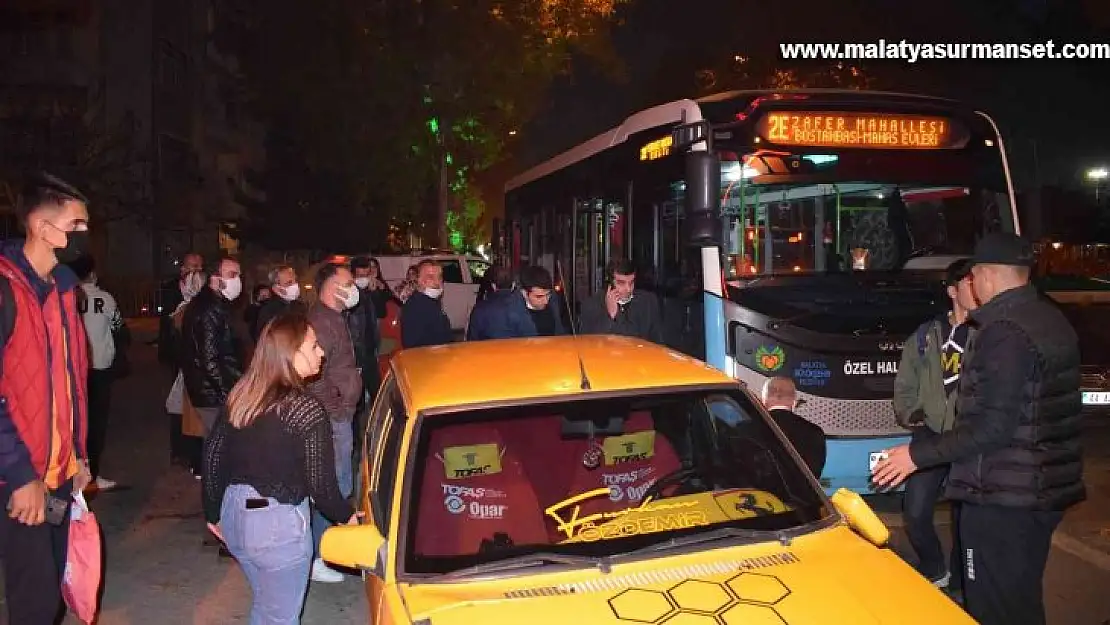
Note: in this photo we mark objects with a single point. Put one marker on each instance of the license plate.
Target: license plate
(874, 459)
(1096, 398)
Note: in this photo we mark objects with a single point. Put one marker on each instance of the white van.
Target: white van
(462, 274)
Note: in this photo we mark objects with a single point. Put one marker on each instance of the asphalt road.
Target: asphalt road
(159, 572)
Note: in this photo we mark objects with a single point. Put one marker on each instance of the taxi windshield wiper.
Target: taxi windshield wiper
(531, 560)
(725, 533)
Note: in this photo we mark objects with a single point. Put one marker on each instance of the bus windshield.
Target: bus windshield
(855, 226)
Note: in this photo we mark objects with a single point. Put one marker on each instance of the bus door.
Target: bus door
(586, 277)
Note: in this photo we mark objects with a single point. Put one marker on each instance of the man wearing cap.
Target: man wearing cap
(1014, 450)
(924, 402)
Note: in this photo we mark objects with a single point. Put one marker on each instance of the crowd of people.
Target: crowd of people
(269, 419)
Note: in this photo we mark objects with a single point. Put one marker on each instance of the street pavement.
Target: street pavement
(158, 571)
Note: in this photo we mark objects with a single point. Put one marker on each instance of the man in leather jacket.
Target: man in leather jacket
(210, 356)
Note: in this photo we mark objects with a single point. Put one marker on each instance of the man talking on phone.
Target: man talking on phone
(43, 387)
(619, 309)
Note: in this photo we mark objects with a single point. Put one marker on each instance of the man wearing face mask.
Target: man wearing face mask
(170, 295)
(423, 321)
(620, 309)
(1016, 462)
(43, 420)
(286, 295)
(339, 385)
(211, 360)
(363, 322)
(534, 310)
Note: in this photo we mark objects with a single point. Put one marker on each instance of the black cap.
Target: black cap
(957, 271)
(1003, 248)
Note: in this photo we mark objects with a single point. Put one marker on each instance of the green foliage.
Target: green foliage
(384, 94)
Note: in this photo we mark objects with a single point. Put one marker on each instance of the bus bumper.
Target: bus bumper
(846, 462)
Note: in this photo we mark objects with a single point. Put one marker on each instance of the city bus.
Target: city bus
(786, 233)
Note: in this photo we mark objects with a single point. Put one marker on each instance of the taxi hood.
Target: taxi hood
(828, 577)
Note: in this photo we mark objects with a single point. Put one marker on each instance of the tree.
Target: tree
(104, 161)
(746, 72)
(399, 98)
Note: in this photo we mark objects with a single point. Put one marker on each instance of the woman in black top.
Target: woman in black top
(270, 451)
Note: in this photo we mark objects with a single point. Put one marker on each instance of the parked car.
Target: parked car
(604, 479)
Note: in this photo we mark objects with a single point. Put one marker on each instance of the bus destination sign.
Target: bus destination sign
(834, 129)
(657, 149)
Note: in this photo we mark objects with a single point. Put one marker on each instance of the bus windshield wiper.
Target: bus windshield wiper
(532, 560)
(725, 533)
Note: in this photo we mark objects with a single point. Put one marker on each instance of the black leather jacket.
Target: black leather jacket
(210, 360)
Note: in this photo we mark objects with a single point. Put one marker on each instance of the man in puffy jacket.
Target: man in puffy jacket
(925, 402)
(43, 422)
(1015, 448)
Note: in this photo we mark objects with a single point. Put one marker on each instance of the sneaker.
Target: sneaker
(321, 572)
(103, 484)
(942, 581)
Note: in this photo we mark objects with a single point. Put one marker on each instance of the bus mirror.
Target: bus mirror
(703, 185)
(687, 135)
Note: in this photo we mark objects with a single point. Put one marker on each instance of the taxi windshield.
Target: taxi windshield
(598, 478)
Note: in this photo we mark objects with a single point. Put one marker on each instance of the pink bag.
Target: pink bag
(81, 582)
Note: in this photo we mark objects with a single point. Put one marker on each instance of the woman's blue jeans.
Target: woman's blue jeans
(273, 545)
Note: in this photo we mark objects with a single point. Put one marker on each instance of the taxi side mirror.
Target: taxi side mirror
(355, 547)
(861, 518)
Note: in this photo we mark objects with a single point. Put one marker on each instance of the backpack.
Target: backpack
(922, 336)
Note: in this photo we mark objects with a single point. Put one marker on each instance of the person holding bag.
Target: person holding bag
(271, 451)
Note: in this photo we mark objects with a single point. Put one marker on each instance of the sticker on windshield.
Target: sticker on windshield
(629, 447)
(646, 518)
(745, 504)
(460, 463)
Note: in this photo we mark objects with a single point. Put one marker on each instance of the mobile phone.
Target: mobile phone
(874, 459)
(56, 510)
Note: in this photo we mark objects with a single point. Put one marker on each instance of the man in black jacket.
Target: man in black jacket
(1015, 448)
(286, 295)
(211, 362)
(780, 397)
(620, 309)
(423, 321)
(170, 295)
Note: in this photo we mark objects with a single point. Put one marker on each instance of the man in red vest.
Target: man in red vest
(42, 396)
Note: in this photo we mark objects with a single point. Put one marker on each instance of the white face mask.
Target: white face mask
(289, 293)
(433, 293)
(350, 300)
(233, 287)
(362, 283)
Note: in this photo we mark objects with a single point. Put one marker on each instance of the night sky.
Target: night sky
(1052, 112)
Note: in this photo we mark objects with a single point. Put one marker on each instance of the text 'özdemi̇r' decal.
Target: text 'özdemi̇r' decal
(604, 525)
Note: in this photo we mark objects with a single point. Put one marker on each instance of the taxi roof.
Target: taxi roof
(484, 372)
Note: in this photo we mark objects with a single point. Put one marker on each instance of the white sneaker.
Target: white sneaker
(942, 582)
(323, 573)
(103, 484)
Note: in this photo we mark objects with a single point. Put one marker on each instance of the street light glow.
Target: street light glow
(1098, 173)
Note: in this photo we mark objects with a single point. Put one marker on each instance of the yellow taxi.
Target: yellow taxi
(604, 480)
